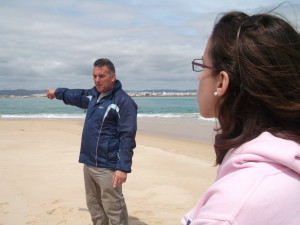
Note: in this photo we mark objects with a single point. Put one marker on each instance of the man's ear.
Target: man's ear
(114, 77)
(223, 83)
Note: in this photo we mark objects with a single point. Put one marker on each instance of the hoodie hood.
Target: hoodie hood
(266, 148)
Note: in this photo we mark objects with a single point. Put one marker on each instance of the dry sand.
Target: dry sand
(42, 182)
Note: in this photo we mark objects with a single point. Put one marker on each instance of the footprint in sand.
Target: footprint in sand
(60, 210)
(2, 205)
(144, 212)
(57, 201)
(51, 212)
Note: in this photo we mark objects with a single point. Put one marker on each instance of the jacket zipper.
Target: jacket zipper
(98, 142)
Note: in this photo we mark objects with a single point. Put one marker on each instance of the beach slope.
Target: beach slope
(42, 181)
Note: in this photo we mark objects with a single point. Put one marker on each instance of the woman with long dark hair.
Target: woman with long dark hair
(250, 81)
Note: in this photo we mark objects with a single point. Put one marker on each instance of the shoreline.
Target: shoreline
(43, 181)
(192, 129)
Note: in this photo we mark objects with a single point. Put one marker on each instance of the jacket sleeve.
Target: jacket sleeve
(127, 130)
(74, 97)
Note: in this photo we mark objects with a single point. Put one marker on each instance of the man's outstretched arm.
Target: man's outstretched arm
(74, 97)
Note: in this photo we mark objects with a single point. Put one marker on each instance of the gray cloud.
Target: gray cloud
(53, 44)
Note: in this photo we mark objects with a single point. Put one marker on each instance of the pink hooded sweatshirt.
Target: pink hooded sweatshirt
(257, 184)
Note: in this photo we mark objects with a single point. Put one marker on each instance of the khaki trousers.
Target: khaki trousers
(105, 203)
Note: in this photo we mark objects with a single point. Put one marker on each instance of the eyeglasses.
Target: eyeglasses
(198, 65)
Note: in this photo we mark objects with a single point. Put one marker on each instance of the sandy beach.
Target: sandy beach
(42, 181)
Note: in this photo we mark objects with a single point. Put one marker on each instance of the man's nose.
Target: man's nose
(97, 79)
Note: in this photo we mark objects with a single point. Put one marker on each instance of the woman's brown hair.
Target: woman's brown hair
(261, 55)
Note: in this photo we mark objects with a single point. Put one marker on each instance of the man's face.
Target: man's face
(104, 79)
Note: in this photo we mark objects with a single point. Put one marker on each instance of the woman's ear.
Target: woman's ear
(223, 83)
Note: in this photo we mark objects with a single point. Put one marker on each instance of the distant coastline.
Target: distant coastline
(20, 93)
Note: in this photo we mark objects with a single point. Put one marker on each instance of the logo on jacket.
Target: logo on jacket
(114, 107)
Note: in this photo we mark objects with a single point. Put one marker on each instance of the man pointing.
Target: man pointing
(107, 144)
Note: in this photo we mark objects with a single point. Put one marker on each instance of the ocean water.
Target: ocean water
(43, 108)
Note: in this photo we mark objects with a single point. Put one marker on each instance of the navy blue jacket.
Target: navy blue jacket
(108, 136)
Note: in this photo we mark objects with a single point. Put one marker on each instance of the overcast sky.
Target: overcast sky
(49, 44)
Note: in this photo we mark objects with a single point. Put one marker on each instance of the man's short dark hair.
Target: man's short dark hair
(105, 62)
